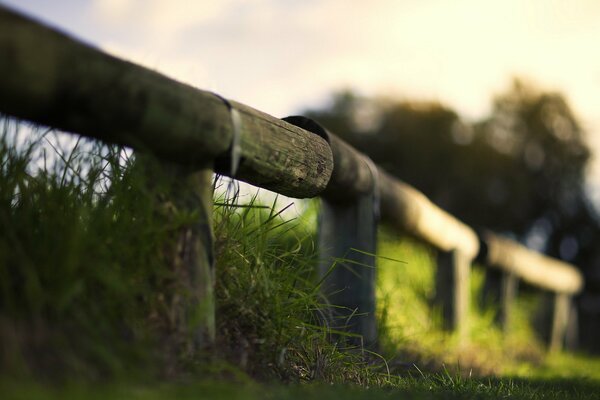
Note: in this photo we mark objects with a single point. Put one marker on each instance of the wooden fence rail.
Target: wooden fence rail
(50, 78)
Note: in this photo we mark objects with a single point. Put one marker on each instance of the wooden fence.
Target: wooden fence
(52, 79)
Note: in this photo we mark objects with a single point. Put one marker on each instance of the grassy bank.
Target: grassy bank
(90, 298)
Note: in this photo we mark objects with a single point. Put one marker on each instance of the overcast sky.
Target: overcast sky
(281, 56)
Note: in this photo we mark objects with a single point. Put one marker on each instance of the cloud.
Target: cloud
(159, 18)
(114, 10)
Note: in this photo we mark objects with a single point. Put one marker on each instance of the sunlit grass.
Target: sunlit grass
(412, 328)
(269, 306)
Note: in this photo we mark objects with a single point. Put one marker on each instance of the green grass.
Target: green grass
(89, 298)
(563, 366)
(410, 323)
(269, 306)
(86, 286)
(428, 387)
(413, 329)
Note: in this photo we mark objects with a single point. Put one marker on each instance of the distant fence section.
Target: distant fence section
(52, 79)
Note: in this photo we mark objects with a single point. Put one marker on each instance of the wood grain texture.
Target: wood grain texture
(353, 172)
(281, 157)
(531, 266)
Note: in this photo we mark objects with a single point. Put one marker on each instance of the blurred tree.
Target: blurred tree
(521, 170)
(547, 153)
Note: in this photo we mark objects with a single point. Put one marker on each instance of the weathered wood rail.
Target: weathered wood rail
(50, 78)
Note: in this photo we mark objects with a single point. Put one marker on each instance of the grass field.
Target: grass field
(89, 299)
(429, 387)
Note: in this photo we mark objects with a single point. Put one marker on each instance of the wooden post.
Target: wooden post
(589, 320)
(500, 290)
(195, 249)
(572, 334)
(186, 192)
(347, 244)
(560, 319)
(509, 286)
(452, 290)
(348, 238)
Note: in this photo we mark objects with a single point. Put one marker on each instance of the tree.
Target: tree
(520, 170)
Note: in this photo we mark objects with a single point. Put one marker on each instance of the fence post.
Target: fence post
(589, 319)
(560, 321)
(500, 290)
(572, 333)
(452, 290)
(188, 193)
(196, 246)
(347, 244)
(509, 286)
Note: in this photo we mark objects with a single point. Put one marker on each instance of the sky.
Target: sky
(283, 56)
